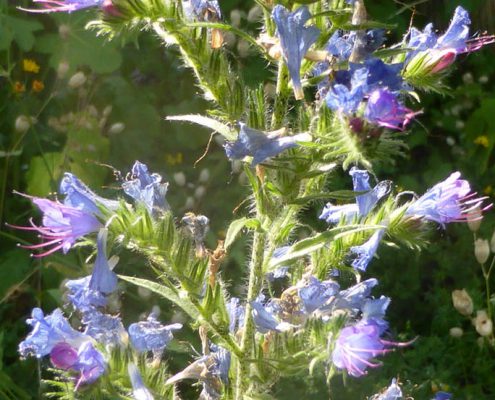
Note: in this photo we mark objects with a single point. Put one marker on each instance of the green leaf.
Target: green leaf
(18, 30)
(336, 195)
(43, 173)
(207, 122)
(309, 245)
(173, 295)
(236, 226)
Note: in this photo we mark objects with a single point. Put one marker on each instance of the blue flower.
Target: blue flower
(442, 396)
(315, 293)
(374, 310)
(146, 188)
(265, 319)
(384, 109)
(103, 279)
(347, 99)
(382, 75)
(357, 345)
(47, 332)
(79, 196)
(282, 271)
(457, 33)
(151, 335)
(295, 40)
(355, 297)
(139, 390)
(447, 201)
(61, 225)
(104, 328)
(90, 364)
(393, 392)
(259, 145)
(366, 251)
(82, 297)
(63, 5)
(364, 202)
(204, 10)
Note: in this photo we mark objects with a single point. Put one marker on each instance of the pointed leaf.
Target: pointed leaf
(207, 122)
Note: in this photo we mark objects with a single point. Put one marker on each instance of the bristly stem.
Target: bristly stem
(280, 104)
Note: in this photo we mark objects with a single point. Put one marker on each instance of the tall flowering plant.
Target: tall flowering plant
(343, 101)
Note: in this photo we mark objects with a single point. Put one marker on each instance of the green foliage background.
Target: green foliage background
(144, 83)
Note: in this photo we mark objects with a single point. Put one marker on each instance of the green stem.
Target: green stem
(280, 105)
(255, 280)
(486, 275)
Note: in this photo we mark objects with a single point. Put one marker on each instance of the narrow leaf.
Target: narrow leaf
(207, 122)
(236, 227)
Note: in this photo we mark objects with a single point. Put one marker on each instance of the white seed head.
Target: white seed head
(483, 324)
(467, 77)
(483, 79)
(200, 191)
(180, 178)
(62, 69)
(462, 302)
(243, 48)
(235, 18)
(64, 31)
(456, 332)
(459, 124)
(77, 80)
(481, 250)
(255, 14)
(116, 128)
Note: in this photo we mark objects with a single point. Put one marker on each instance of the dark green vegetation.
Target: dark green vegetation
(73, 129)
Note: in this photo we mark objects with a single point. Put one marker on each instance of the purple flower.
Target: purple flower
(366, 251)
(82, 297)
(374, 310)
(357, 345)
(364, 202)
(236, 314)
(295, 40)
(447, 201)
(139, 390)
(79, 196)
(146, 188)
(353, 298)
(63, 355)
(315, 293)
(151, 335)
(383, 76)
(346, 98)
(47, 333)
(103, 279)
(265, 318)
(384, 109)
(63, 5)
(393, 392)
(104, 328)
(61, 225)
(90, 364)
(259, 145)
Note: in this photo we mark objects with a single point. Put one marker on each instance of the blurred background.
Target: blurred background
(71, 101)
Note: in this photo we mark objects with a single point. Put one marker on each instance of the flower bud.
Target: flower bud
(483, 324)
(456, 332)
(199, 192)
(481, 250)
(483, 79)
(62, 69)
(116, 128)
(430, 62)
(77, 80)
(180, 178)
(462, 302)
(255, 14)
(204, 175)
(22, 124)
(189, 203)
(474, 218)
(235, 18)
(243, 48)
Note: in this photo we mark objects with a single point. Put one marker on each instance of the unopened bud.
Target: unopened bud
(204, 175)
(235, 18)
(63, 31)
(474, 218)
(189, 203)
(62, 69)
(22, 124)
(481, 250)
(77, 80)
(243, 48)
(199, 192)
(462, 302)
(483, 324)
(144, 293)
(456, 332)
(116, 128)
(180, 178)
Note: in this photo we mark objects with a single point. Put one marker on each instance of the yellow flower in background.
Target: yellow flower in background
(482, 141)
(488, 190)
(30, 66)
(37, 86)
(174, 159)
(19, 87)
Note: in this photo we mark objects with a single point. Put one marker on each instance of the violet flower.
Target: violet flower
(47, 332)
(364, 202)
(68, 6)
(366, 251)
(151, 335)
(316, 293)
(259, 145)
(82, 297)
(442, 396)
(347, 98)
(353, 298)
(295, 40)
(374, 310)
(384, 109)
(63, 356)
(357, 345)
(104, 328)
(146, 188)
(103, 279)
(61, 225)
(265, 318)
(447, 201)
(90, 364)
